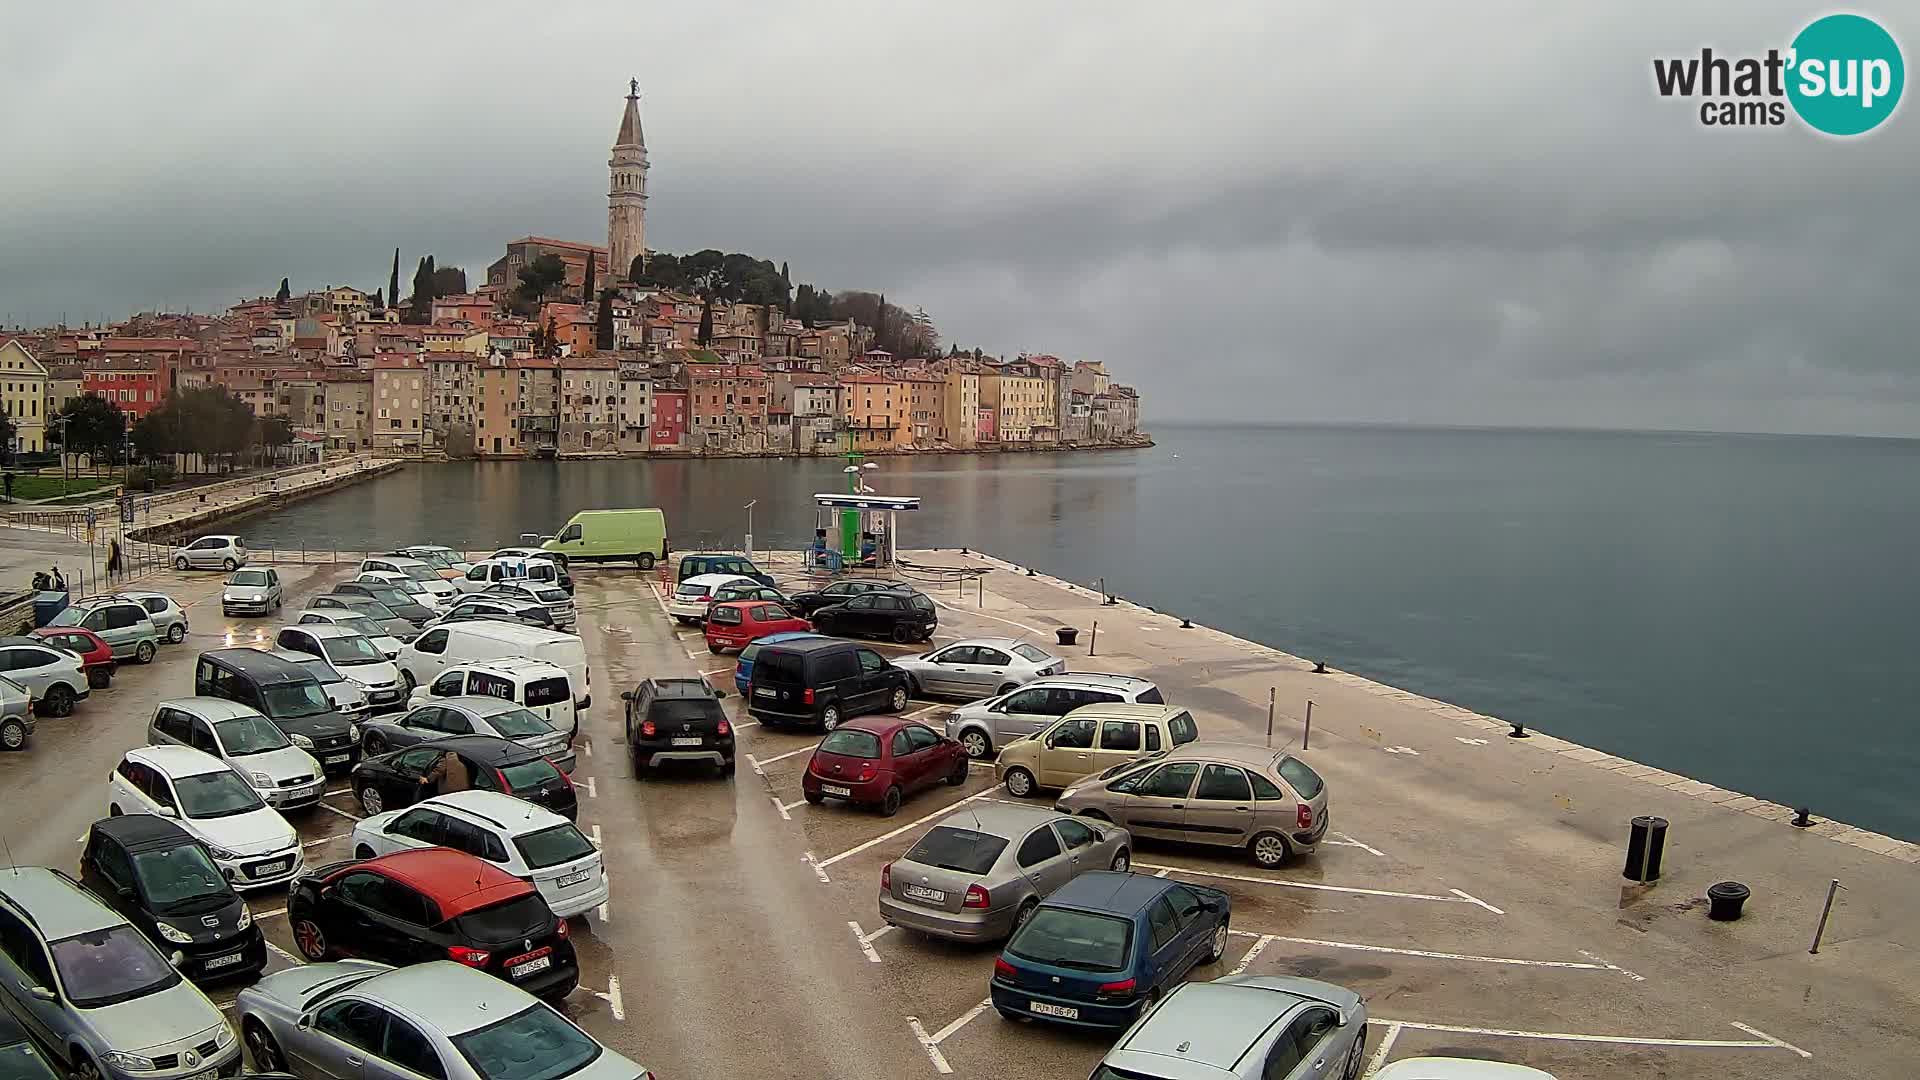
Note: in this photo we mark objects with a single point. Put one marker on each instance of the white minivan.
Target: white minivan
(441, 647)
(535, 685)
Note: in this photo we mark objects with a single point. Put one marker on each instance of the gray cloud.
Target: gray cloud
(1476, 214)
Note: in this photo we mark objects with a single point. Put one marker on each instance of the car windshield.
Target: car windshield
(406, 585)
(387, 595)
(248, 577)
(521, 917)
(104, 967)
(960, 850)
(320, 669)
(747, 654)
(551, 847)
(851, 743)
(360, 624)
(250, 735)
(71, 616)
(547, 692)
(350, 651)
(530, 775)
(1073, 939)
(292, 701)
(533, 1044)
(215, 795)
(550, 595)
(180, 879)
(421, 573)
(519, 724)
(1135, 763)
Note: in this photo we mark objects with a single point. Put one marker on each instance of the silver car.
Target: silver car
(341, 604)
(375, 632)
(1450, 1068)
(212, 553)
(120, 623)
(95, 992)
(55, 677)
(16, 715)
(984, 726)
(978, 874)
(251, 592)
(1255, 1027)
(979, 668)
(347, 697)
(164, 612)
(470, 715)
(438, 1019)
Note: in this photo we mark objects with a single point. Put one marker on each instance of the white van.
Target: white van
(537, 686)
(490, 571)
(442, 647)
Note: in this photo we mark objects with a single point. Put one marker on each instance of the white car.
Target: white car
(388, 645)
(282, 774)
(451, 563)
(253, 845)
(550, 596)
(16, 715)
(347, 697)
(418, 569)
(211, 553)
(1447, 1068)
(689, 601)
(416, 591)
(251, 592)
(979, 667)
(525, 840)
(164, 612)
(541, 687)
(354, 655)
(55, 677)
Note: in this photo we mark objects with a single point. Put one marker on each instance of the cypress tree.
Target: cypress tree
(586, 287)
(706, 319)
(393, 279)
(284, 294)
(429, 281)
(603, 325)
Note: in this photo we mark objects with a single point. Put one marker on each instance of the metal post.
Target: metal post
(1821, 930)
(1271, 692)
(1094, 637)
(1306, 739)
(749, 544)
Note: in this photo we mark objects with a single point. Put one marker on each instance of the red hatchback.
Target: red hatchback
(92, 649)
(735, 625)
(880, 760)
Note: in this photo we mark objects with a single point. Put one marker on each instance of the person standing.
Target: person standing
(448, 775)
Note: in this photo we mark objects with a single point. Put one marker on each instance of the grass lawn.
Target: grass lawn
(38, 486)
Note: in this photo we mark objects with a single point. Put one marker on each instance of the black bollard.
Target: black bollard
(1803, 818)
(1646, 843)
(1725, 899)
(1319, 667)
(1519, 731)
(1066, 635)
(1186, 623)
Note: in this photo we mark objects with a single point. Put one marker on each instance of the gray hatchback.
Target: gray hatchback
(1254, 1027)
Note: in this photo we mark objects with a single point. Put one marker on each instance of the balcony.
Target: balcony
(549, 424)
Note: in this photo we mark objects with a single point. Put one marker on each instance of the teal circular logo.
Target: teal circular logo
(1846, 75)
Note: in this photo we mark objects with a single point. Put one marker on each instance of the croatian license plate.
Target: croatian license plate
(921, 892)
(521, 971)
(762, 691)
(688, 740)
(334, 759)
(574, 879)
(205, 1074)
(833, 789)
(272, 868)
(1064, 1012)
(224, 961)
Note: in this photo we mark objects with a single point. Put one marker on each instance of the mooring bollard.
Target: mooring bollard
(1646, 843)
(1306, 737)
(1726, 898)
(1519, 731)
(1186, 623)
(1066, 635)
(1319, 667)
(1802, 818)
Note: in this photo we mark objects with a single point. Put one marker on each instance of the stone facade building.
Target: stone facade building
(627, 190)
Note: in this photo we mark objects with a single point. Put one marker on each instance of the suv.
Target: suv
(281, 773)
(121, 623)
(289, 695)
(903, 615)
(538, 686)
(148, 869)
(354, 655)
(676, 720)
(55, 677)
(821, 681)
(1089, 739)
(712, 562)
(526, 612)
(1263, 1027)
(986, 725)
(99, 996)
(526, 841)
(212, 553)
(166, 615)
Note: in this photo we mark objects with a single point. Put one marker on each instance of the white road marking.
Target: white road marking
(1343, 840)
(339, 791)
(819, 868)
(1469, 742)
(715, 671)
(1613, 967)
(612, 998)
(594, 835)
(1401, 750)
(865, 942)
(880, 933)
(981, 614)
(1460, 898)
(1764, 1042)
(227, 1006)
(593, 792)
(964, 1019)
(276, 912)
(1781, 1043)
(926, 1043)
(605, 914)
(916, 822)
(1379, 1058)
(691, 655)
(777, 805)
(788, 806)
(588, 747)
(1253, 953)
(337, 810)
(979, 764)
(1322, 943)
(922, 712)
(757, 762)
(284, 954)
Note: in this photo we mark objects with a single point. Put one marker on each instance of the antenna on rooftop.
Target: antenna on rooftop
(8, 848)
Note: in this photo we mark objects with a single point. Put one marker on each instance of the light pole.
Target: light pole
(749, 509)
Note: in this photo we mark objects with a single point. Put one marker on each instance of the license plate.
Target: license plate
(224, 961)
(1064, 1012)
(832, 789)
(921, 892)
(574, 879)
(688, 740)
(521, 971)
(205, 1074)
(762, 691)
(334, 759)
(270, 869)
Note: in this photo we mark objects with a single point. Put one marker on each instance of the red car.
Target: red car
(880, 760)
(92, 649)
(735, 625)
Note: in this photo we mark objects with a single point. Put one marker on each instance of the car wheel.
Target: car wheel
(113, 811)
(899, 698)
(57, 702)
(959, 774)
(363, 852)
(726, 767)
(814, 798)
(144, 654)
(902, 633)
(406, 677)
(1269, 850)
(1353, 1060)
(829, 718)
(176, 634)
(13, 734)
(266, 1052)
(310, 939)
(370, 800)
(180, 563)
(684, 621)
(976, 744)
(645, 561)
(640, 769)
(1019, 783)
(1122, 862)
(373, 744)
(1219, 947)
(83, 1066)
(229, 565)
(713, 647)
(913, 687)
(1025, 912)
(1006, 688)
(890, 802)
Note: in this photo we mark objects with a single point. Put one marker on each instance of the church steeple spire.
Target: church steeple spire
(630, 133)
(627, 191)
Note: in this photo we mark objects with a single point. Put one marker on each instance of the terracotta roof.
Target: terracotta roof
(589, 363)
(389, 362)
(138, 344)
(569, 245)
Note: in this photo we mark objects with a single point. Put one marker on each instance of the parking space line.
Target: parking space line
(1613, 967)
(1379, 1059)
(1781, 1043)
(285, 955)
(788, 806)
(1343, 840)
(819, 869)
(926, 1043)
(865, 942)
(922, 712)
(605, 914)
(258, 915)
(339, 791)
(1253, 954)
(337, 810)
(1460, 898)
(324, 839)
(1764, 1042)
(778, 805)
(758, 762)
(612, 997)
(715, 671)
(593, 834)
(916, 822)
(984, 615)
(593, 792)
(1513, 961)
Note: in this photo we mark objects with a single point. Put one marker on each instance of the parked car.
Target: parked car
(392, 780)
(20, 1058)
(164, 612)
(122, 624)
(498, 569)
(443, 647)
(16, 715)
(354, 655)
(96, 656)
(986, 725)
(707, 563)
(414, 590)
(347, 697)
(96, 993)
(251, 842)
(527, 612)
(676, 720)
(743, 664)
(560, 562)
(1215, 794)
(163, 881)
(741, 590)
(737, 624)
(55, 678)
(418, 570)
(434, 903)
(903, 616)
(979, 668)
(839, 592)
(363, 625)
(221, 552)
(449, 563)
(282, 774)
(557, 601)
(821, 681)
(470, 715)
(1263, 1027)
(537, 686)
(532, 844)
(1106, 946)
(879, 761)
(692, 597)
(251, 592)
(395, 600)
(437, 1020)
(979, 873)
(1088, 740)
(286, 693)
(344, 605)
(637, 533)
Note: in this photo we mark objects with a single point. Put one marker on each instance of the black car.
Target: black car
(676, 720)
(435, 903)
(398, 601)
(392, 780)
(288, 694)
(148, 869)
(20, 1059)
(501, 608)
(821, 682)
(900, 614)
(840, 592)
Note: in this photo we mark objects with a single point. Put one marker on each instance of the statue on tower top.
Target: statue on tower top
(633, 86)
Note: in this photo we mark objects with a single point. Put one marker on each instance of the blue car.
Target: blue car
(1105, 946)
(743, 668)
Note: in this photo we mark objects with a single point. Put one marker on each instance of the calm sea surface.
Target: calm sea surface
(1741, 609)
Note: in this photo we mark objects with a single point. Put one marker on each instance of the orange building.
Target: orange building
(877, 412)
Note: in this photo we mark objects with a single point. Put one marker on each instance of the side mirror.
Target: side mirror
(626, 695)
(126, 893)
(168, 811)
(177, 958)
(304, 1022)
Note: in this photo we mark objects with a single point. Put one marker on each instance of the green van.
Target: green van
(639, 534)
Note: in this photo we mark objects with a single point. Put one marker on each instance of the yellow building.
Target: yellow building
(23, 394)
(959, 422)
(1020, 404)
(876, 412)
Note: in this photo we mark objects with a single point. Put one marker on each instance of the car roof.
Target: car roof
(178, 760)
(481, 705)
(514, 632)
(1210, 1024)
(511, 665)
(1095, 680)
(260, 665)
(454, 880)
(1109, 892)
(515, 816)
(212, 708)
(716, 579)
(1003, 643)
(446, 996)
(103, 601)
(144, 594)
(814, 643)
(787, 635)
(1250, 754)
(878, 725)
(999, 819)
(1447, 1068)
(326, 630)
(1120, 710)
(137, 832)
(488, 749)
(58, 906)
(681, 688)
(715, 555)
(402, 559)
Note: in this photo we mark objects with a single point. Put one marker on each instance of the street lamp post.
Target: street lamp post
(749, 509)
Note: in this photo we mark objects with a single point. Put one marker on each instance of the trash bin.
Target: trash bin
(1067, 634)
(46, 605)
(1725, 899)
(1646, 842)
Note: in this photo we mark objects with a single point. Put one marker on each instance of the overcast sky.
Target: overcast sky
(1472, 213)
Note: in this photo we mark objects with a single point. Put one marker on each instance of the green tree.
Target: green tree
(276, 433)
(379, 300)
(284, 294)
(603, 324)
(448, 281)
(393, 279)
(706, 319)
(539, 277)
(7, 432)
(94, 426)
(420, 304)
